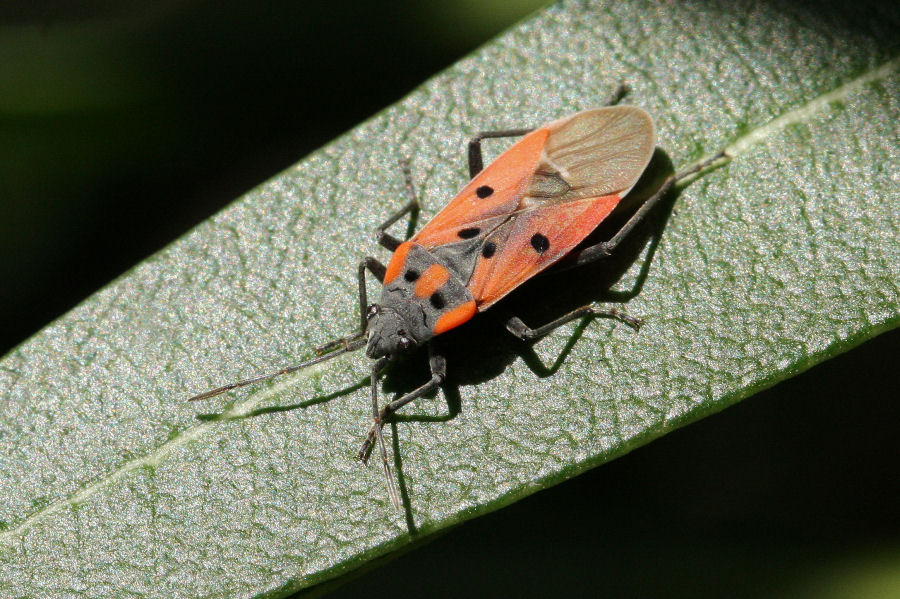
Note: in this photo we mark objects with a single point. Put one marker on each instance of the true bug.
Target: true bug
(531, 207)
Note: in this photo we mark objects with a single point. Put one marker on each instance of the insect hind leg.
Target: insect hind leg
(518, 328)
(476, 160)
(605, 248)
(620, 92)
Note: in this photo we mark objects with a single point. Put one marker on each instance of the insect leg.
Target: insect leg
(618, 94)
(325, 352)
(384, 238)
(374, 266)
(518, 328)
(438, 365)
(606, 248)
(476, 163)
(376, 412)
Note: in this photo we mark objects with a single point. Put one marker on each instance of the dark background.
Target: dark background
(123, 124)
(792, 494)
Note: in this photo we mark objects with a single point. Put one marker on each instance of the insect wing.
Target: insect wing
(594, 153)
(491, 197)
(533, 241)
(588, 163)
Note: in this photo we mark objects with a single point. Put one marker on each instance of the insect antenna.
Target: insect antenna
(348, 345)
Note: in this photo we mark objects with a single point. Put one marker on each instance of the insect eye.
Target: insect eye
(405, 342)
(372, 310)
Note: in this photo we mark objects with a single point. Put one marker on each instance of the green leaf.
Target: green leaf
(112, 484)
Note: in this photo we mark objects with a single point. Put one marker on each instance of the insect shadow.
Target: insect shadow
(482, 349)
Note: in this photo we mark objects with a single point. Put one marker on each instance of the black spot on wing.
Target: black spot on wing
(489, 249)
(540, 243)
(469, 233)
(437, 300)
(484, 191)
(411, 275)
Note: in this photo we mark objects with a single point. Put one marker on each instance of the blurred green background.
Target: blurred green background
(123, 124)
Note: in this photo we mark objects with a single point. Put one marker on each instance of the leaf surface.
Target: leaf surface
(110, 484)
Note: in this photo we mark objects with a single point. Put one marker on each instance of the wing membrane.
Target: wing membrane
(558, 182)
(595, 153)
(562, 225)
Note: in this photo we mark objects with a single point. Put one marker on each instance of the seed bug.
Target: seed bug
(515, 219)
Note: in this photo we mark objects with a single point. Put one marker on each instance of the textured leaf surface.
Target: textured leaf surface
(111, 485)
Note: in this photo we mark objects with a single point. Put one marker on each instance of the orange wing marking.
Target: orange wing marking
(397, 261)
(454, 318)
(561, 226)
(507, 177)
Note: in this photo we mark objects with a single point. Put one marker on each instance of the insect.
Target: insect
(515, 219)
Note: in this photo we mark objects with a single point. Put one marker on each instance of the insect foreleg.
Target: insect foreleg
(374, 266)
(438, 365)
(327, 351)
(606, 248)
(518, 328)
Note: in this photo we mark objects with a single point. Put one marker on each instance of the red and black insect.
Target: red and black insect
(516, 218)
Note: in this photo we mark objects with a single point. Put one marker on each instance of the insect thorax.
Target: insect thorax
(428, 287)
